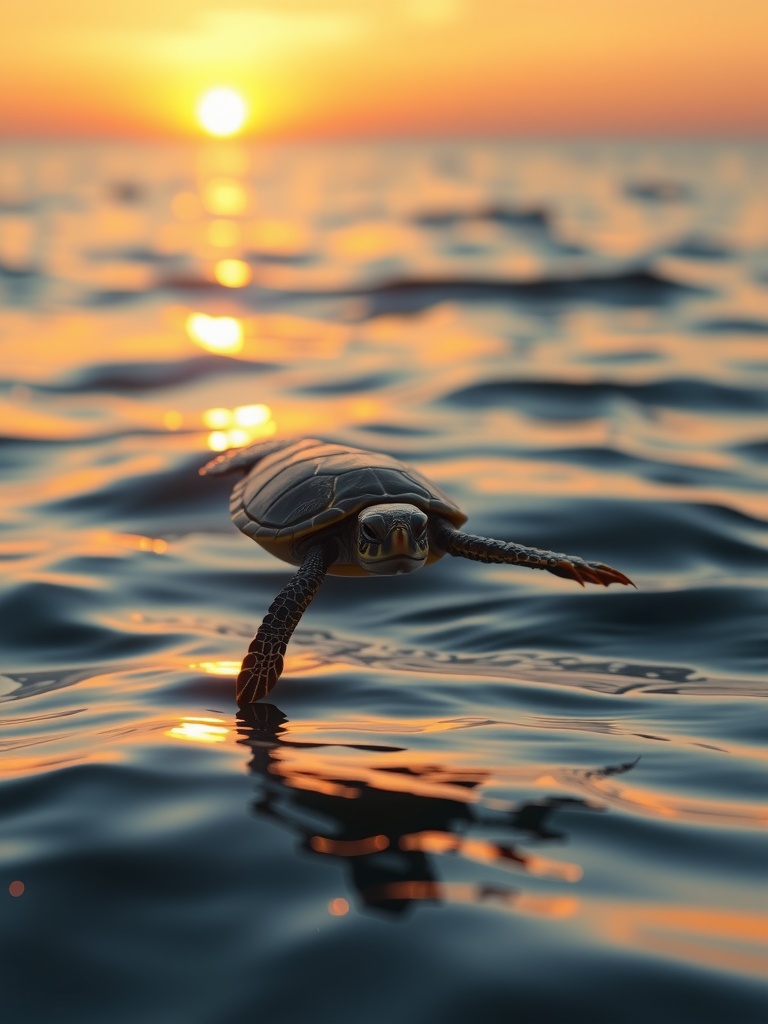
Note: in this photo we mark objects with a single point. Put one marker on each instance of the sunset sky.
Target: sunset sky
(367, 68)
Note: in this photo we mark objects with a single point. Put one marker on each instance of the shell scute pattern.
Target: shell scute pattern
(354, 484)
(312, 484)
(298, 504)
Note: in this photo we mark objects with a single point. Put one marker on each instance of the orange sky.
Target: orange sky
(325, 68)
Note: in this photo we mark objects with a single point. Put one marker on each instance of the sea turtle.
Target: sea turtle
(331, 508)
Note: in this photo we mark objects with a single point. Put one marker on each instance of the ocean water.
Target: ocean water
(478, 792)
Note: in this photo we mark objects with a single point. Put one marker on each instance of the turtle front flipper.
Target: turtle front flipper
(484, 549)
(263, 663)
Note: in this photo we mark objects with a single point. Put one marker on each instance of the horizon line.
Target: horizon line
(661, 135)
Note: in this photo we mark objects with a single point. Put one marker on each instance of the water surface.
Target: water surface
(478, 792)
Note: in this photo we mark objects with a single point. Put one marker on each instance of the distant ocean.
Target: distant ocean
(478, 792)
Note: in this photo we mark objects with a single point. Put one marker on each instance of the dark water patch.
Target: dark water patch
(352, 385)
(393, 430)
(631, 287)
(12, 272)
(25, 455)
(28, 454)
(757, 450)
(131, 254)
(128, 193)
(411, 294)
(293, 259)
(680, 475)
(655, 537)
(558, 399)
(703, 249)
(170, 502)
(596, 457)
(732, 325)
(146, 376)
(464, 248)
(59, 622)
(715, 621)
(669, 191)
(535, 223)
(721, 622)
(627, 357)
(442, 218)
(674, 472)
(114, 297)
(22, 207)
(530, 217)
(20, 285)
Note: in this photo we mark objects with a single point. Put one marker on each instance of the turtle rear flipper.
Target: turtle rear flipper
(485, 549)
(241, 459)
(263, 663)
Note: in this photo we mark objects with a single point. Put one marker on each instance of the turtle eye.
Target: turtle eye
(420, 524)
(368, 533)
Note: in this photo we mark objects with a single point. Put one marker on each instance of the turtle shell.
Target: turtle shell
(306, 486)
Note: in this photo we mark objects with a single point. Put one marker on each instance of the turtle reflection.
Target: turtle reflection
(386, 823)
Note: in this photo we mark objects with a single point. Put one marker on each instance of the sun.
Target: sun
(222, 111)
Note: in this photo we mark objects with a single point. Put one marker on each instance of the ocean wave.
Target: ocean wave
(571, 399)
(482, 751)
(152, 374)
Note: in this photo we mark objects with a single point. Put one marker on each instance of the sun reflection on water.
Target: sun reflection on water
(218, 334)
(234, 428)
(225, 197)
(102, 539)
(232, 273)
(200, 730)
(217, 668)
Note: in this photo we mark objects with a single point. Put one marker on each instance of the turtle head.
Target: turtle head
(392, 539)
